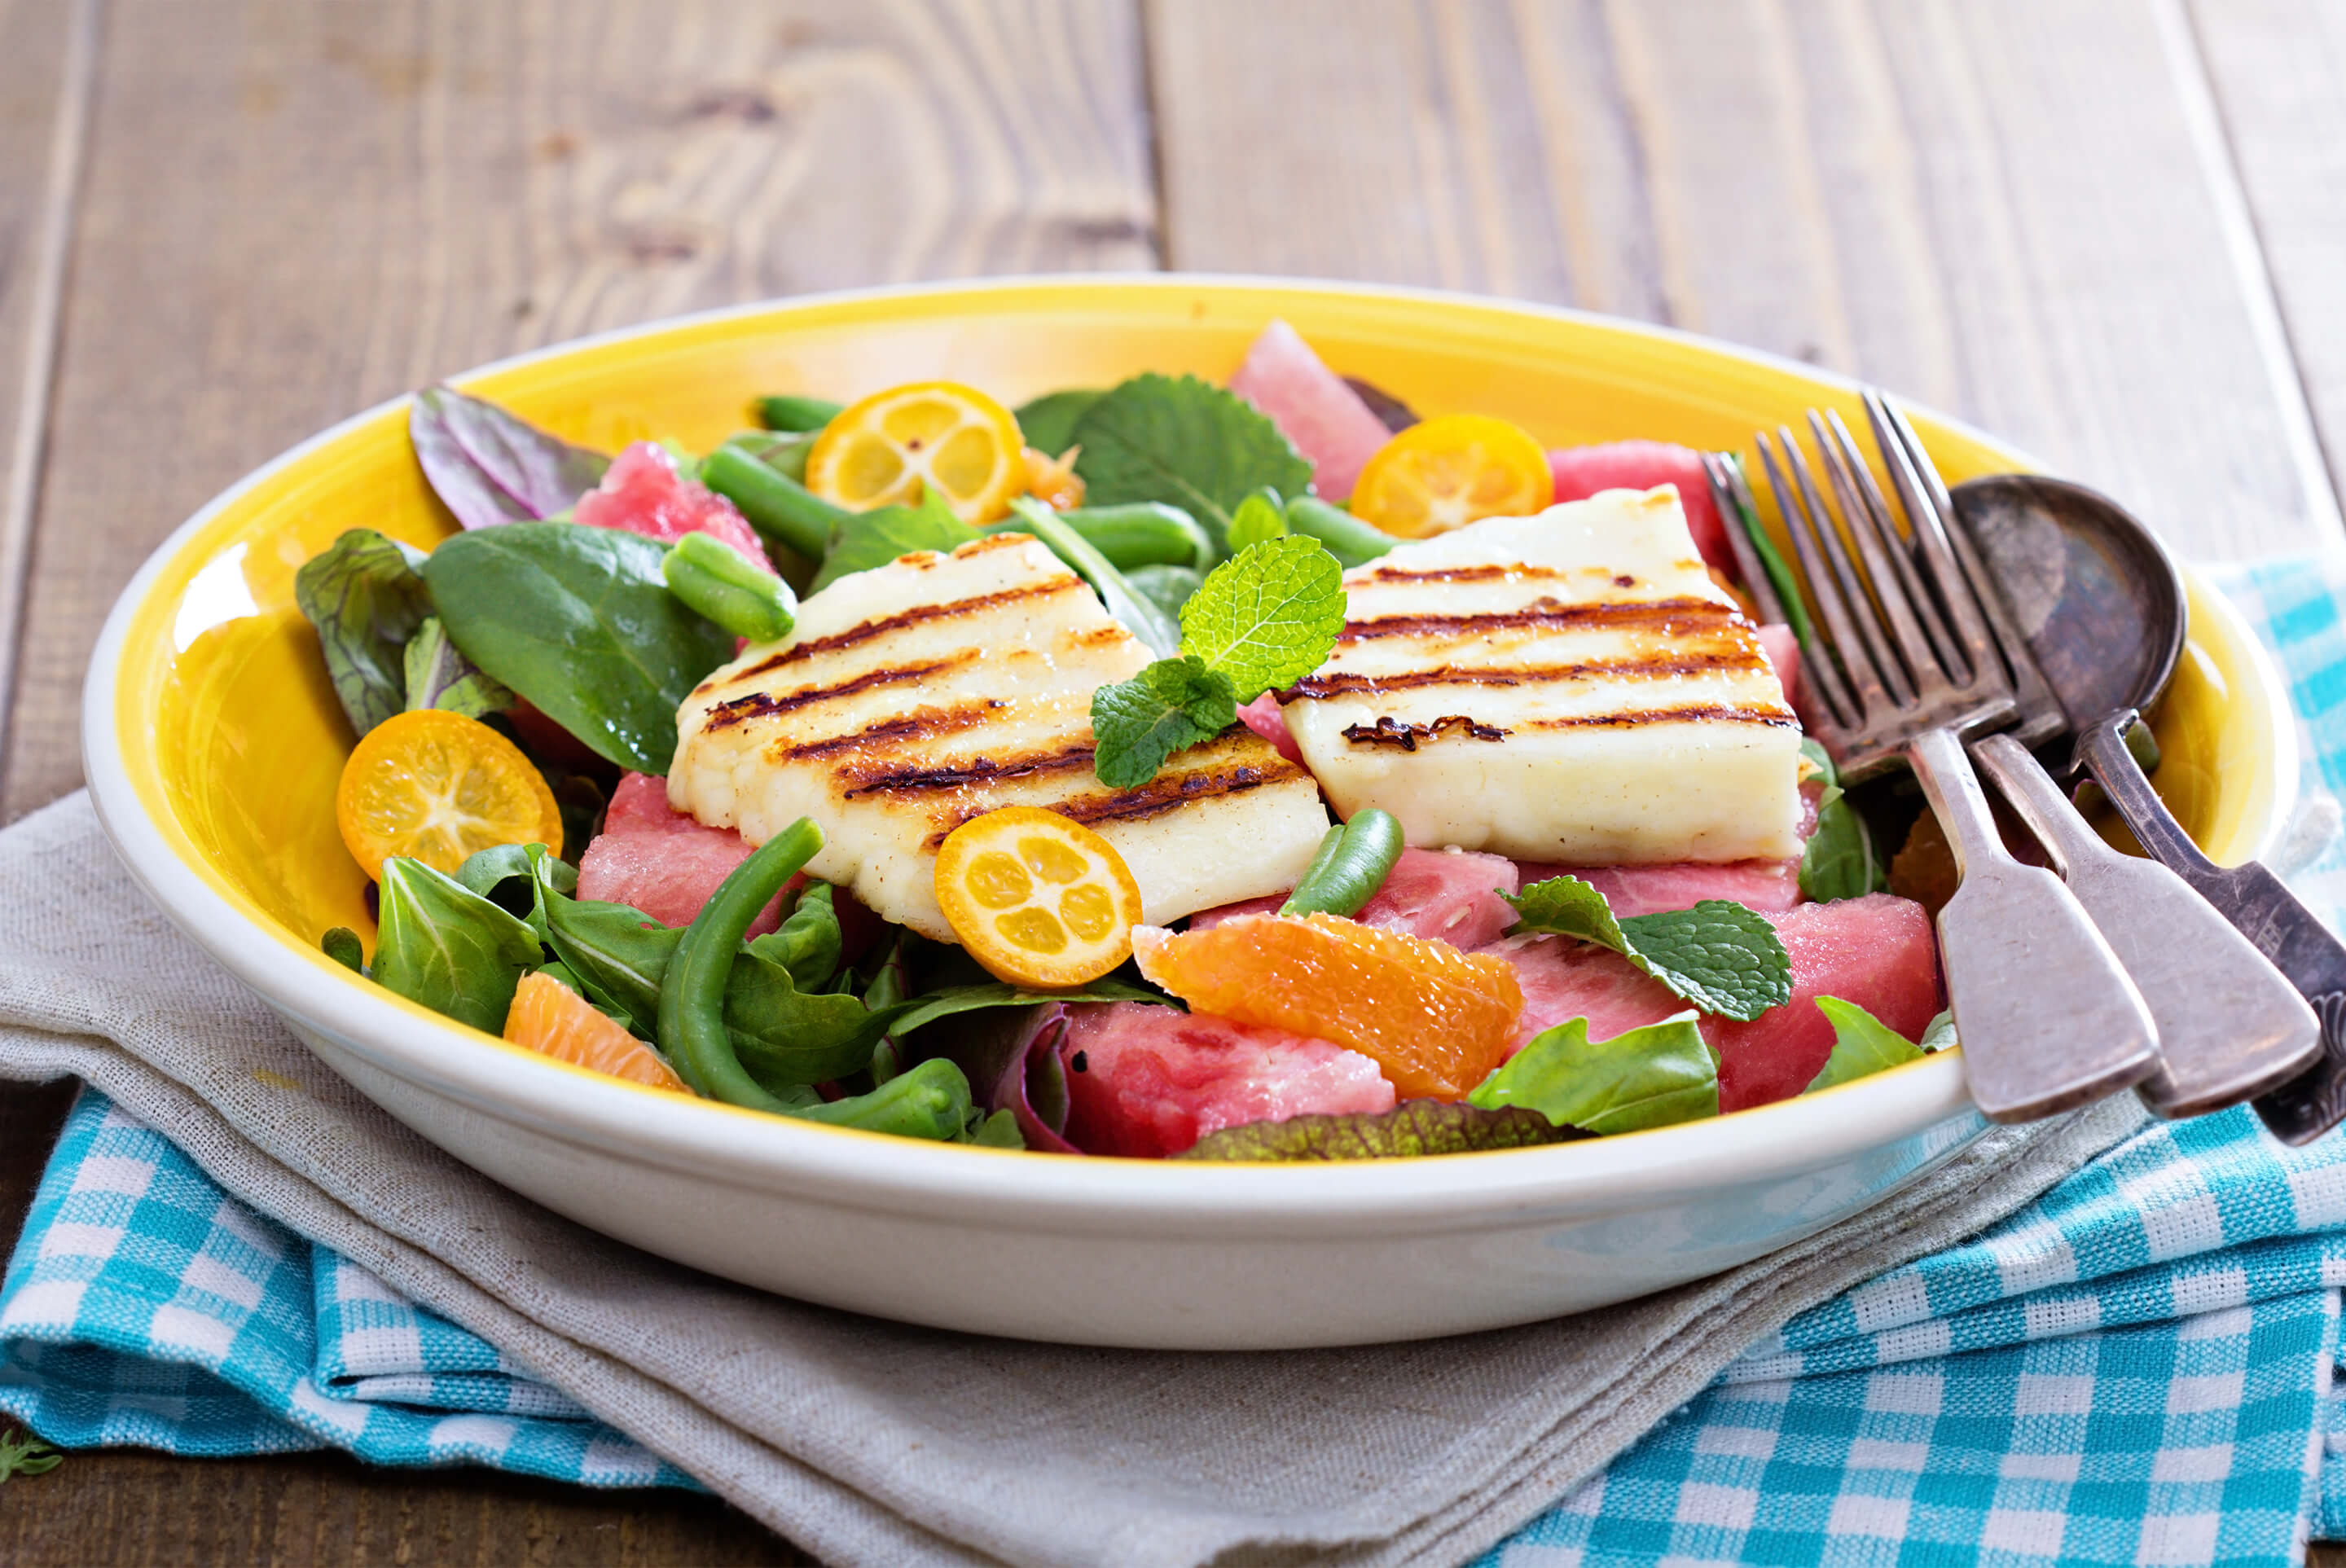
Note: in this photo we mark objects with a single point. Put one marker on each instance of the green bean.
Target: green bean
(930, 1101)
(1353, 863)
(692, 1032)
(1350, 540)
(777, 507)
(720, 583)
(796, 413)
(1143, 534)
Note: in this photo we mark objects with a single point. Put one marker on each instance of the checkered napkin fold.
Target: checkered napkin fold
(2134, 1368)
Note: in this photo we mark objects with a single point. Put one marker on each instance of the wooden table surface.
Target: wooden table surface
(2112, 231)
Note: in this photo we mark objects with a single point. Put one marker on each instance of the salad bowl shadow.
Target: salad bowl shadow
(212, 742)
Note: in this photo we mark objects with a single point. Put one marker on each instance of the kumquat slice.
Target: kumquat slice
(1445, 472)
(439, 787)
(552, 1020)
(1037, 899)
(897, 445)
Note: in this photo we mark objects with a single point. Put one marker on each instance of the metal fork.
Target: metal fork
(2231, 1026)
(1905, 667)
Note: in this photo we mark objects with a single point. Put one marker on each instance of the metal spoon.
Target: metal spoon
(2101, 606)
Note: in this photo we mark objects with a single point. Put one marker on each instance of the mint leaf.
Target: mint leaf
(1199, 446)
(1268, 616)
(874, 538)
(1720, 956)
(1655, 1076)
(1410, 1130)
(1862, 1045)
(1257, 519)
(1136, 724)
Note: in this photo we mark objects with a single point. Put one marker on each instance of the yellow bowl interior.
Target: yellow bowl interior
(233, 739)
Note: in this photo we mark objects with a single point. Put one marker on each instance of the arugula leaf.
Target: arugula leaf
(489, 467)
(1167, 587)
(445, 946)
(1267, 617)
(1257, 518)
(580, 622)
(1862, 1045)
(868, 539)
(26, 1455)
(1655, 1076)
(1720, 956)
(958, 999)
(808, 942)
(1410, 1130)
(1838, 861)
(1137, 616)
(1136, 724)
(342, 945)
(1199, 446)
(1047, 423)
(364, 594)
(438, 676)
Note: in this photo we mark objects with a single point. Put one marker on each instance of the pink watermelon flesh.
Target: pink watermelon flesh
(1154, 1080)
(1877, 952)
(662, 861)
(1582, 471)
(1327, 420)
(1262, 716)
(1783, 651)
(643, 493)
(1765, 885)
(1451, 897)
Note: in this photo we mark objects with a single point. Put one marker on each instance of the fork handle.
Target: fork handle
(2229, 1026)
(2265, 911)
(2045, 1015)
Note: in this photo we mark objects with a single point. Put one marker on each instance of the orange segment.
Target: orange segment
(894, 446)
(1436, 1019)
(440, 788)
(1445, 472)
(555, 1021)
(1038, 900)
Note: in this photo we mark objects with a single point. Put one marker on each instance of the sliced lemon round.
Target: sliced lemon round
(930, 437)
(1037, 899)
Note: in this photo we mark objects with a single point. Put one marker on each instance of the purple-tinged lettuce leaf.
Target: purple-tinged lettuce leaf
(489, 467)
(1411, 1129)
(1012, 1060)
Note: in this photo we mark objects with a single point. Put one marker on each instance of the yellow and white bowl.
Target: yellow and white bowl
(212, 742)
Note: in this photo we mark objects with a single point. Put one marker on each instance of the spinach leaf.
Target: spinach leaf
(487, 871)
(1862, 1045)
(1939, 1035)
(1838, 861)
(445, 946)
(998, 1131)
(580, 622)
(1411, 1129)
(1167, 587)
(807, 944)
(957, 999)
(785, 1036)
(1651, 1077)
(440, 677)
(1048, 422)
(1197, 446)
(489, 467)
(874, 538)
(342, 945)
(364, 594)
(618, 952)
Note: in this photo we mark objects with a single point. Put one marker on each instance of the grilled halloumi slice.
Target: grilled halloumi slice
(1571, 686)
(913, 697)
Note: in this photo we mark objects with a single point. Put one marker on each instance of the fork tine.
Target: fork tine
(1890, 676)
(1821, 671)
(1756, 581)
(1888, 558)
(1861, 691)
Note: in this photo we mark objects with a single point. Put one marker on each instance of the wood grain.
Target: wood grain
(1994, 206)
(294, 209)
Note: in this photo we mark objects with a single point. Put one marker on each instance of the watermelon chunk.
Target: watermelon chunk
(1328, 422)
(1147, 1082)
(1437, 894)
(662, 861)
(1877, 952)
(643, 493)
(1262, 716)
(1582, 471)
(1783, 651)
(1770, 885)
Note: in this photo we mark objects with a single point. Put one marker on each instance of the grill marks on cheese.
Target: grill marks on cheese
(1570, 686)
(917, 696)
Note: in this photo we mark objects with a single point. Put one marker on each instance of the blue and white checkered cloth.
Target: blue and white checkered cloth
(2135, 1369)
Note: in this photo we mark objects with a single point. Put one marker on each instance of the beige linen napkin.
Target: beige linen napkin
(870, 1442)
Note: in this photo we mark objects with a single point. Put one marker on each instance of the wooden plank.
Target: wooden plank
(1994, 206)
(2279, 71)
(293, 211)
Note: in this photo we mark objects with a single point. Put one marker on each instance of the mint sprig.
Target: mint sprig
(1720, 956)
(1263, 619)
